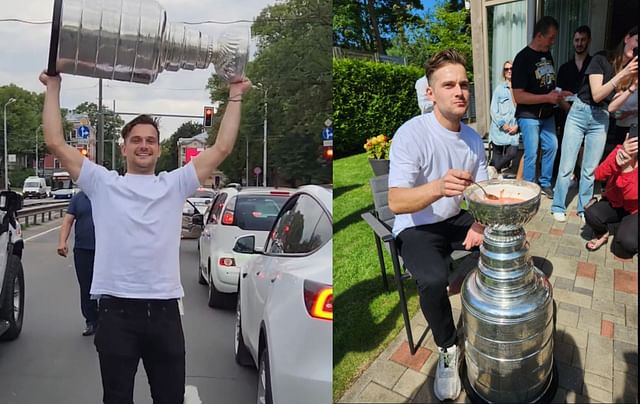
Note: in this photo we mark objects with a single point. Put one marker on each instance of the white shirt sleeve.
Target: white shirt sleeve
(403, 164)
(424, 103)
(186, 179)
(90, 177)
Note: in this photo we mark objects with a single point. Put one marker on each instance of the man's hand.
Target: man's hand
(50, 80)
(237, 89)
(475, 235)
(63, 250)
(513, 130)
(554, 97)
(454, 182)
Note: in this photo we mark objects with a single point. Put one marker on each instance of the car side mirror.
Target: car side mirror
(245, 245)
(197, 219)
(10, 201)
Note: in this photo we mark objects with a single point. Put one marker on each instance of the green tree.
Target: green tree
(169, 156)
(111, 123)
(369, 25)
(293, 66)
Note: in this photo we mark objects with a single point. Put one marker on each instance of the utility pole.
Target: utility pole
(247, 161)
(100, 136)
(264, 139)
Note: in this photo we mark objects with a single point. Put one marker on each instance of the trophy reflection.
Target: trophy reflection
(130, 40)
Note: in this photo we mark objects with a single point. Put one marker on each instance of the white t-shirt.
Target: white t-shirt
(424, 103)
(137, 221)
(423, 151)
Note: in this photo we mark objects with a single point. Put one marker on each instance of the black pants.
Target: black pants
(83, 260)
(623, 226)
(425, 251)
(131, 329)
(503, 155)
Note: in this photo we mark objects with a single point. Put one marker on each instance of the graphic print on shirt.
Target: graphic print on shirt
(545, 73)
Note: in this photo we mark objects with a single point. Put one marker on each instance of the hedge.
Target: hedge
(370, 99)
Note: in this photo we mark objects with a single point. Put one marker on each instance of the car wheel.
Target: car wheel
(216, 298)
(13, 299)
(201, 279)
(243, 357)
(264, 378)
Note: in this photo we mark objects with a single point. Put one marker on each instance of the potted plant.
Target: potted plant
(377, 148)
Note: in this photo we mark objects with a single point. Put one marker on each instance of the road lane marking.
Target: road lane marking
(41, 234)
(191, 395)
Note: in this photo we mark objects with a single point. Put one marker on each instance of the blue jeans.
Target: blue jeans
(541, 131)
(588, 124)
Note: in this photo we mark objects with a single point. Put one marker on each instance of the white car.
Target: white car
(284, 311)
(234, 212)
(197, 203)
(202, 199)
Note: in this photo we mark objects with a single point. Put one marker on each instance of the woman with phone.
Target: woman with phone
(617, 212)
(609, 74)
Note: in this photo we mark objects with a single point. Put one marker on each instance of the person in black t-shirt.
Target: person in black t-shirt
(534, 82)
(588, 120)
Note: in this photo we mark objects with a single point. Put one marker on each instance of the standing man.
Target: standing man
(137, 221)
(424, 103)
(433, 158)
(84, 246)
(534, 82)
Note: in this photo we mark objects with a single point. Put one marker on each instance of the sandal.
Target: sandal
(596, 243)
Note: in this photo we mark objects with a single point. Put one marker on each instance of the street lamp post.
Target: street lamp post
(6, 166)
(39, 128)
(264, 136)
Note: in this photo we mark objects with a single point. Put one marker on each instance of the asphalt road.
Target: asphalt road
(51, 362)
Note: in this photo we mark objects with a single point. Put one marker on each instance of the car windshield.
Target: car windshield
(257, 212)
(203, 193)
(32, 184)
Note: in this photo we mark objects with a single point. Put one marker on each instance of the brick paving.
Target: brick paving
(596, 340)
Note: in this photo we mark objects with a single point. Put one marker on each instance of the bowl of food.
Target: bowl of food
(516, 203)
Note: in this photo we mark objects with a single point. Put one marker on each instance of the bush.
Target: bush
(17, 177)
(370, 98)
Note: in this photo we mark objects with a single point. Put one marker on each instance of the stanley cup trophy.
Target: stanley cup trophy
(507, 304)
(130, 40)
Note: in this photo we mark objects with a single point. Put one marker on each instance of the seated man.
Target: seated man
(434, 157)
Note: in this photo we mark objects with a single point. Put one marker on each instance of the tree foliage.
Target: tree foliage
(293, 66)
(169, 155)
(112, 123)
(369, 25)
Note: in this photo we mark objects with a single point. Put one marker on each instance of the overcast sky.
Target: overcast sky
(25, 50)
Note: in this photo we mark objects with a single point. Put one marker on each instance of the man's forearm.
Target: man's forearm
(229, 128)
(523, 97)
(65, 229)
(410, 200)
(52, 119)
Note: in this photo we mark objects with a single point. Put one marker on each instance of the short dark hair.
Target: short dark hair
(140, 120)
(444, 57)
(543, 25)
(583, 29)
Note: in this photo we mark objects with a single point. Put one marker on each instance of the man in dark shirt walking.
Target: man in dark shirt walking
(534, 84)
(79, 211)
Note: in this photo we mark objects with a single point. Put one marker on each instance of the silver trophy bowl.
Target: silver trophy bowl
(130, 40)
(503, 215)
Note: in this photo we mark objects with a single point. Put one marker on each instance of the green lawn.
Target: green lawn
(366, 317)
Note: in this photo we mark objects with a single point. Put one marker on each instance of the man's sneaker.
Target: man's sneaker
(90, 329)
(559, 216)
(582, 219)
(548, 191)
(447, 385)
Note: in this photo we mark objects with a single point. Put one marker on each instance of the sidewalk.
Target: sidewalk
(596, 341)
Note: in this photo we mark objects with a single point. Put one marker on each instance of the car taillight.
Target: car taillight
(285, 193)
(227, 262)
(227, 218)
(318, 298)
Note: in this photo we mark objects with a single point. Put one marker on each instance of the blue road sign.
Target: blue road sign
(83, 132)
(327, 134)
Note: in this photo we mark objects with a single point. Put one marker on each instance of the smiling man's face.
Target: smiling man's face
(141, 149)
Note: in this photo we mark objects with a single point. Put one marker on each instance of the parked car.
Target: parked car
(35, 187)
(197, 203)
(11, 273)
(235, 211)
(284, 310)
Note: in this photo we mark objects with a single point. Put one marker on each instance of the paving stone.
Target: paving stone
(613, 319)
(555, 232)
(590, 320)
(410, 383)
(352, 394)
(631, 266)
(625, 352)
(429, 367)
(597, 394)
(587, 270)
(416, 361)
(625, 298)
(567, 296)
(603, 291)
(563, 283)
(564, 267)
(569, 307)
(578, 359)
(570, 378)
(563, 352)
(572, 228)
(583, 291)
(425, 393)
(576, 337)
(608, 307)
(386, 373)
(599, 357)
(605, 274)
(625, 281)
(584, 283)
(374, 393)
(625, 387)
(568, 318)
(622, 366)
(596, 258)
(604, 383)
(632, 316)
(626, 334)
(606, 328)
(564, 250)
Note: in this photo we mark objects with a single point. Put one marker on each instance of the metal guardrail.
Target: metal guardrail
(44, 211)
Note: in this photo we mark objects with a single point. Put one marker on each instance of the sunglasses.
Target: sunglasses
(508, 69)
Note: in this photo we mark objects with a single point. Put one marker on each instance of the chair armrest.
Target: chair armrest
(379, 228)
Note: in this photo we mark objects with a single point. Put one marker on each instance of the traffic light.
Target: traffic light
(208, 116)
(83, 150)
(327, 153)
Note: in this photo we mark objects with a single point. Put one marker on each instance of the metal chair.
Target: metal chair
(381, 219)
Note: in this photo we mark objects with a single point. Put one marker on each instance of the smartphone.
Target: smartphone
(635, 51)
(633, 131)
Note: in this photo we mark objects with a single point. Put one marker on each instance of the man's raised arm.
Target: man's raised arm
(207, 161)
(69, 156)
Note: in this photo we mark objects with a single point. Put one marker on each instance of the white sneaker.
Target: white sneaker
(560, 217)
(582, 219)
(447, 385)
